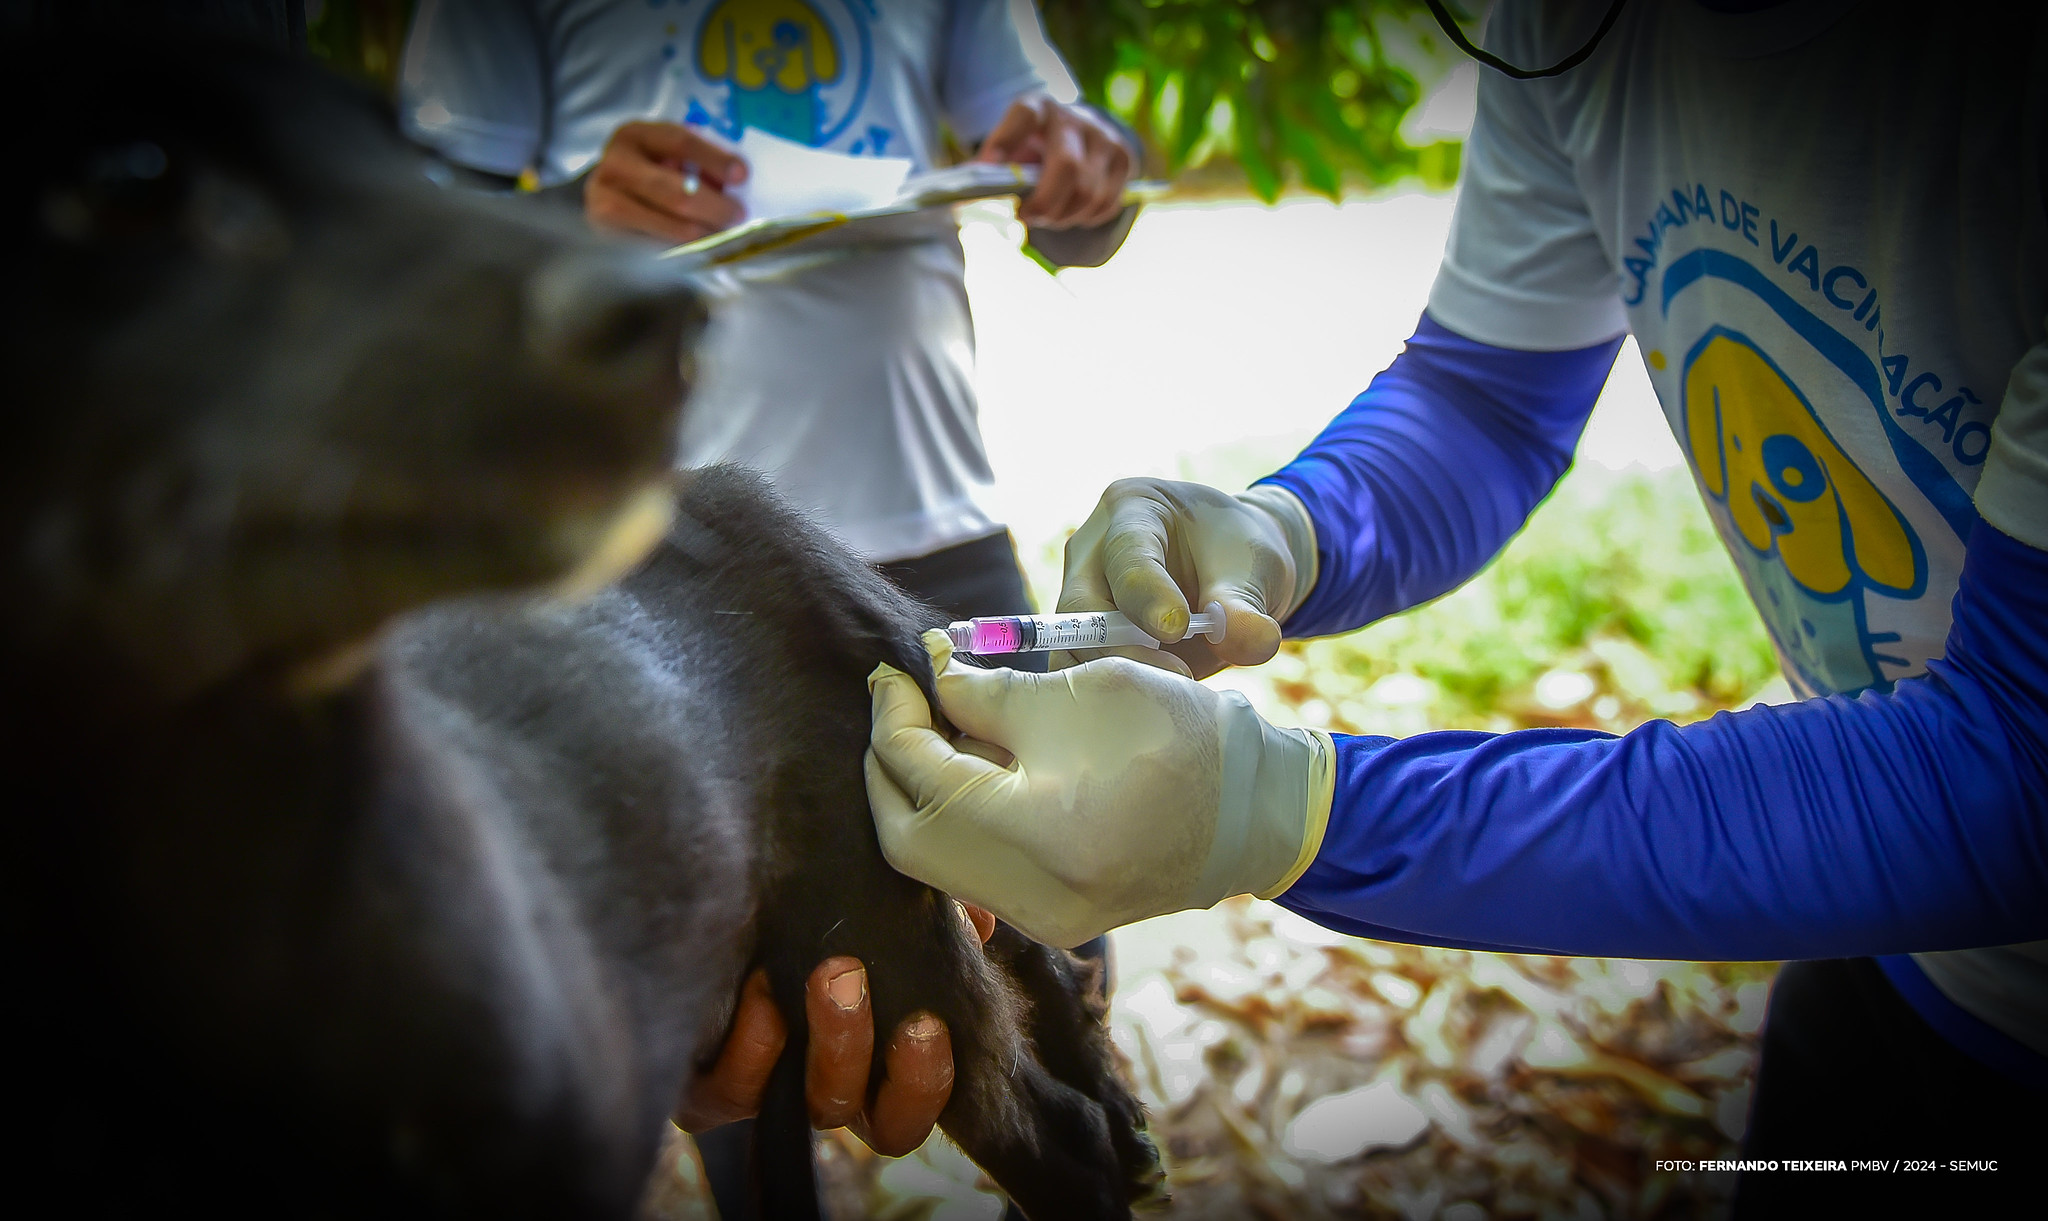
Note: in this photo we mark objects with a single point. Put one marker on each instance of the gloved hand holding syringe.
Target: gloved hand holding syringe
(1073, 630)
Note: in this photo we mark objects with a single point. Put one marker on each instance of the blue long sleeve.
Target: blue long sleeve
(1880, 824)
(1876, 824)
(1430, 471)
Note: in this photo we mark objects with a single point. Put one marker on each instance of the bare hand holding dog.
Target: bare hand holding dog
(918, 1062)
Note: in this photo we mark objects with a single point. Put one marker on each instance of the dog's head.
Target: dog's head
(273, 384)
(1788, 488)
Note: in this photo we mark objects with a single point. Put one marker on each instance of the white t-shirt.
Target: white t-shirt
(850, 382)
(1824, 224)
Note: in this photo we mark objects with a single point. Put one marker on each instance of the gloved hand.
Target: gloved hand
(1091, 797)
(1154, 547)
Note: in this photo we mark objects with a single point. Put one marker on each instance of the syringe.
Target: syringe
(1073, 630)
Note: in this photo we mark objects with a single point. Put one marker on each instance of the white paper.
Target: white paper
(785, 178)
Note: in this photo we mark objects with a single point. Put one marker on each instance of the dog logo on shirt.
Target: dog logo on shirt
(1818, 533)
(799, 69)
(775, 54)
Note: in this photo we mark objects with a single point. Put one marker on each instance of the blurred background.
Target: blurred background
(1291, 1072)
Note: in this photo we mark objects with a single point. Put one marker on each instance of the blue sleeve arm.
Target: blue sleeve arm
(1885, 823)
(1430, 471)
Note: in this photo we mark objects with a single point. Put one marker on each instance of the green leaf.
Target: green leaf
(1197, 99)
(1253, 130)
(1310, 88)
(1032, 252)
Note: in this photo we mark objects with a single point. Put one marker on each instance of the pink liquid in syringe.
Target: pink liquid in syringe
(997, 635)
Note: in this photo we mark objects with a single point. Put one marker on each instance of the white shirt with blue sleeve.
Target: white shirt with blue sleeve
(849, 382)
(1841, 292)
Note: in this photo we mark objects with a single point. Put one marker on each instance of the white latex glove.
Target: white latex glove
(1128, 792)
(1154, 547)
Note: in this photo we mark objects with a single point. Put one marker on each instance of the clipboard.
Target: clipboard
(909, 217)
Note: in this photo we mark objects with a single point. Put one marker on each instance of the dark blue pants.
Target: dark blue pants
(1850, 1071)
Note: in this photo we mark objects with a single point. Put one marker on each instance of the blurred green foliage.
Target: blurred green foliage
(1308, 91)
(1258, 94)
(1616, 603)
(359, 38)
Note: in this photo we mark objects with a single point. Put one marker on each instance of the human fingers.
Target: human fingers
(921, 763)
(1135, 550)
(917, 1080)
(1062, 167)
(982, 919)
(983, 698)
(897, 822)
(1090, 160)
(1083, 587)
(1117, 161)
(1024, 119)
(625, 177)
(1171, 657)
(1109, 159)
(677, 145)
(1140, 524)
(985, 750)
(906, 710)
(933, 804)
(841, 1044)
(1244, 557)
(1250, 635)
(687, 193)
(615, 212)
(733, 1086)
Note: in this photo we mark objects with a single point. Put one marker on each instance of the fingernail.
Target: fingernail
(924, 1028)
(848, 988)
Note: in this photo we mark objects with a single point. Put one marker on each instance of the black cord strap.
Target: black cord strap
(1523, 74)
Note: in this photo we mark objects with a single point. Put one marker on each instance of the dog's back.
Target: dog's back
(687, 746)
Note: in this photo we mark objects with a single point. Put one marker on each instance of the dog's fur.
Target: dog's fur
(438, 924)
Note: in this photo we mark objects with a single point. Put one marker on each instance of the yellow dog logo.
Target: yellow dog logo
(775, 54)
(1762, 452)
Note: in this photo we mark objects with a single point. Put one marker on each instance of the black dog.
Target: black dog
(328, 901)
